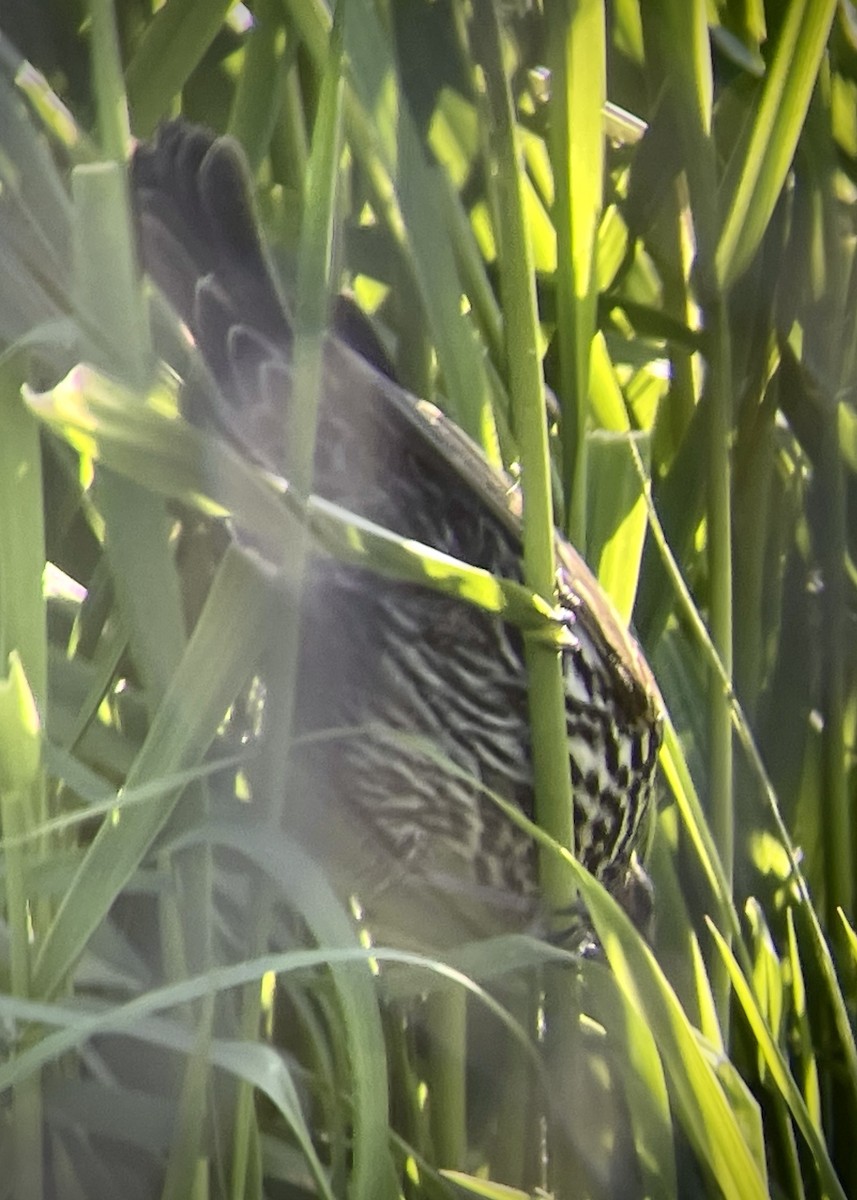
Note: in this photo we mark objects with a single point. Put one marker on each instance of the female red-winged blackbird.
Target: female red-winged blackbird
(424, 697)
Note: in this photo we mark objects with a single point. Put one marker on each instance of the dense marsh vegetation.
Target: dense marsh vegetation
(673, 184)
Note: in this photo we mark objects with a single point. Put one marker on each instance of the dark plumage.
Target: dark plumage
(422, 845)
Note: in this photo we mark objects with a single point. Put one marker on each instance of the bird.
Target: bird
(411, 706)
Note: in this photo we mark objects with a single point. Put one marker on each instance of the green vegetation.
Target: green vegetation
(652, 209)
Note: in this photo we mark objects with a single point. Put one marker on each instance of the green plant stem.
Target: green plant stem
(446, 1013)
(578, 87)
(290, 145)
(245, 1131)
(835, 808)
(719, 547)
(526, 386)
(551, 776)
(114, 129)
(261, 86)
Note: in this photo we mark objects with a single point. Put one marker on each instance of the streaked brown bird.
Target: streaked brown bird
(424, 697)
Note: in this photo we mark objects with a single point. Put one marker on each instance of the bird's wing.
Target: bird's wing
(200, 241)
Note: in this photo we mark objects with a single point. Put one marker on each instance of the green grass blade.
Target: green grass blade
(174, 42)
(617, 516)
(22, 537)
(261, 86)
(113, 128)
(579, 85)
(780, 1071)
(700, 1101)
(412, 202)
(755, 180)
(517, 286)
(214, 667)
(20, 805)
(155, 450)
(637, 1063)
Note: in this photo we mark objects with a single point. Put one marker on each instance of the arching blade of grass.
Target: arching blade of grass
(261, 1066)
(293, 876)
(700, 1101)
(484, 1188)
(209, 676)
(348, 962)
(757, 171)
(633, 1053)
(150, 446)
(781, 1073)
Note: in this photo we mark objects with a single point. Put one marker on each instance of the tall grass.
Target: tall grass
(661, 229)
